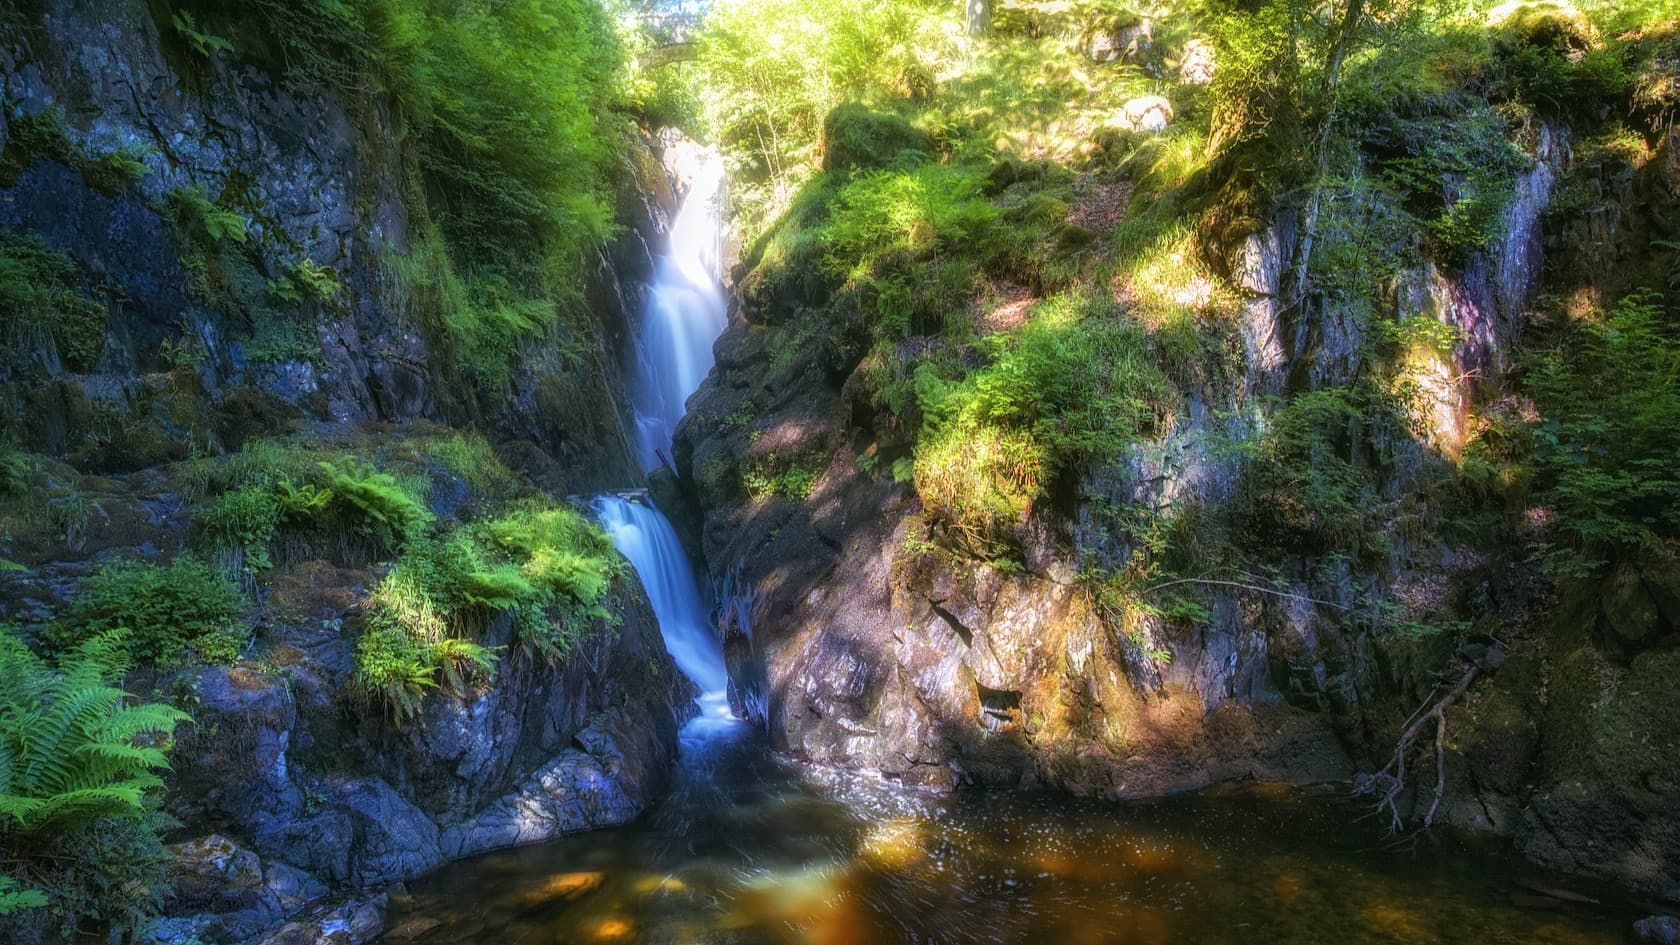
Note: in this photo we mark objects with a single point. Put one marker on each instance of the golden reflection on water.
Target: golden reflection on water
(771, 861)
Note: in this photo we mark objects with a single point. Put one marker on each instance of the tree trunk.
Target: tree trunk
(979, 17)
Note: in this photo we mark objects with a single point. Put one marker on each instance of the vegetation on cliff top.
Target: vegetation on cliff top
(947, 198)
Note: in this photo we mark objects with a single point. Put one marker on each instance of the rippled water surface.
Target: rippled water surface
(750, 850)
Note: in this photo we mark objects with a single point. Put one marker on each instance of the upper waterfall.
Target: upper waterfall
(685, 312)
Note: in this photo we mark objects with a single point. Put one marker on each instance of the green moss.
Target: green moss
(1304, 485)
(1073, 386)
(33, 137)
(186, 608)
(42, 299)
(858, 138)
(772, 478)
(116, 171)
(205, 221)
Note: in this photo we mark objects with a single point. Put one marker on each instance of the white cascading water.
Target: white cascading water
(685, 313)
(645, 537)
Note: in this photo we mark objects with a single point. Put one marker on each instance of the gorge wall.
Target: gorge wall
(882, 639)
(223, 255)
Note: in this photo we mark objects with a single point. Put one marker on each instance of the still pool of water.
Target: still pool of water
(750, 849)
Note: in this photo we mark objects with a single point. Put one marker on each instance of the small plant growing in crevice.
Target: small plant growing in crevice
(202, 41)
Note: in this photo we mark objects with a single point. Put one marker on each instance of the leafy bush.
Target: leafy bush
(168, 610)
(1605, 447)
(79, 780)
(363, 502)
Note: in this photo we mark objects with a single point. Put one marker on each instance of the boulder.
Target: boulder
(1144, 113)
(1658, 930)
(1196, 62)
(858, 138)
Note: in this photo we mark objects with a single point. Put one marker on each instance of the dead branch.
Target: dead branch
(1390, 782)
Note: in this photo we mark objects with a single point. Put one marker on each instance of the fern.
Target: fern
(206, 44)
(13, 899)
(73, 748)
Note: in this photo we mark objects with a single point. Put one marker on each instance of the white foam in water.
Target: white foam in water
(643, 535)
(685, 313)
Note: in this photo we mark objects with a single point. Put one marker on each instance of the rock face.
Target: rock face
(881, 649)
(299, 803)
(291, 762)
(318, 178)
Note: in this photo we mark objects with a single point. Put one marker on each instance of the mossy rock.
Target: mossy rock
(1614, 727)
(247, 412)
(858, 138)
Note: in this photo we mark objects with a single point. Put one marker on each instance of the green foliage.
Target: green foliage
(1073, 386)
(547, 568)
(42, 300)
(167, 610)
(772, 479)
(79, 780)
(307, 279)
(923, 209)
(368, 503)
(204, 221)
(1303, 487)
(239, 525)
(69, 751)
(117, 171)
(35, 136)
(206, 44)
(484, 323)
(1605, 448)
(398, 668)
(14, 899)
(16, 472)
(509, 105)
(858, 138)
(470, 457)
(769, 90)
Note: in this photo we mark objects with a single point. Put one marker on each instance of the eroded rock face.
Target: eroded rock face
(294, 764)
(323, 178)
(882, 650)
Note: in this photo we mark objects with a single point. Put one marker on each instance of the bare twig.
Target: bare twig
(1390, 782)
(1246, 587)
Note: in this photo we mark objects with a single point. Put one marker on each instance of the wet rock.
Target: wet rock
(221, 890)
(1120, 38)
(351, 922)
(607, 780)
(1658, 930)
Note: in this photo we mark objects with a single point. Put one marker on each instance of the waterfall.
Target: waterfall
(684, 314)
(647, 539)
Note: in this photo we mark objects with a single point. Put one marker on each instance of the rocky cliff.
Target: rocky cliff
(203, 255)
(881, 642)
